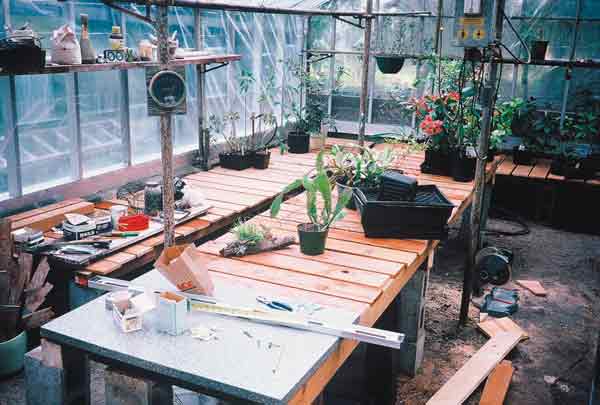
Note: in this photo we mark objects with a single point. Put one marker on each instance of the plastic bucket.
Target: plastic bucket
(12, 355)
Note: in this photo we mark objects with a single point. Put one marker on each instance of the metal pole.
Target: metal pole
(364, 92)
(166, 134)
(437, 44)
(487, 106)
(203, 135)
(568, 70)
(124, 104)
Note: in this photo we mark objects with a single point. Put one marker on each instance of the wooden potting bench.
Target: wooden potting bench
(380, 282)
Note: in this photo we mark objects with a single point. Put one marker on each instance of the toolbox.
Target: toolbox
(426, 217)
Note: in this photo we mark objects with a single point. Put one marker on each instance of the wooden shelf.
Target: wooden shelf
(99, 67)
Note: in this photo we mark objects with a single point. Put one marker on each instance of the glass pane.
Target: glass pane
(101, 133)
(46, 130)
(145, 130)
(4, 111)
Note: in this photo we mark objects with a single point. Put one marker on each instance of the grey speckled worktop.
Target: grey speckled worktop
(234, 365)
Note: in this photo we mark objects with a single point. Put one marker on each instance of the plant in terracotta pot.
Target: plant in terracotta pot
(363, 168)
(320, 208)
(22, 292)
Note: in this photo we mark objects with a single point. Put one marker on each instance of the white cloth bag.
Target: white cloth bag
(65, 47)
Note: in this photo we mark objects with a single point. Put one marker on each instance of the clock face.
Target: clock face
(167, 89)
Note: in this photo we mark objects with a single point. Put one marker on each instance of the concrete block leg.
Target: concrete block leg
(56, 375)
(125, 389)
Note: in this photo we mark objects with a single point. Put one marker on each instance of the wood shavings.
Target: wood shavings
(204, 333)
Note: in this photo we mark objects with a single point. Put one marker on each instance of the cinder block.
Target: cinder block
(410, 356)
(43, 385)
(124, 389)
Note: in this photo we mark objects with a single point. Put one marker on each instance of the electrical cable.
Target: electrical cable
(509, 216)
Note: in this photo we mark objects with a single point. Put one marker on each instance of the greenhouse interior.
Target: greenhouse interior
(299, 202)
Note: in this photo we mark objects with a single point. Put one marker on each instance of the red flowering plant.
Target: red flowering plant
(437, 118)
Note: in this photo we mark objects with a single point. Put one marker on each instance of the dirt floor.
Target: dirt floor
(563, 327)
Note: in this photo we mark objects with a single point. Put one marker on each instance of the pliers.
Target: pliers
(278, 305)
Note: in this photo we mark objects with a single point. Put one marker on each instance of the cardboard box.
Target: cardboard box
(185, 268)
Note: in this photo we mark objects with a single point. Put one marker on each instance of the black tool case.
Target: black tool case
(426, 217)
(395, 186)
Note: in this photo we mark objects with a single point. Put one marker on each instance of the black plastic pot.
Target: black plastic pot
(522, 157)
(298, 142)
(261, 159)
(538, 50)
(436, 162)
(236, 161)
(462, 167)
(312, 239)
(556, 167)
(389, 64)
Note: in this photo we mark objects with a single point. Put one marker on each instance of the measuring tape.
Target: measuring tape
(210, 305)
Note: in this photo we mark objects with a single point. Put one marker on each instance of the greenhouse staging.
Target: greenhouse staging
(353, 202)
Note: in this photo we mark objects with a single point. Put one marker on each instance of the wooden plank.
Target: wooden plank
(121, 258)
(293, 279)
(305, 265)
(224, 179)
(206, 185)
(138, 250)
(47, 220)
(44, 209)
(534, 286)
(466, 380)
(491, 326)
(540, 170)
(103, 267)
(522, 171)
(496, 387)
(506, 168)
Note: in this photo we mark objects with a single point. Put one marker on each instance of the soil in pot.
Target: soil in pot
(298, 142)
(236, 161)
(436, 162)
(389, 64)
(462, 167)
(522, 157)
(538, 50)
(12, 355)
(312, 239)
(262, 159)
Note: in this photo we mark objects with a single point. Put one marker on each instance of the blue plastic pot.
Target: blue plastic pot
(12, 355)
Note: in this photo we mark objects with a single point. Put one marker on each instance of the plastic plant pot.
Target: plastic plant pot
(522, 157)
(389, 64)
(538, 50)
(12, 354)
(236, 161)
(436, 162)
(312, 239)
(298, 142)
(462, 167)
(261, 160)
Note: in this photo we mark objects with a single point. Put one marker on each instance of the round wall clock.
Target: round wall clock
(167, 89)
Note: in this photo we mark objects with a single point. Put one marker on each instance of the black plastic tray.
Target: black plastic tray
(424, 218)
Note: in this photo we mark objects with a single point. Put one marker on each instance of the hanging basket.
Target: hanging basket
(389, 64)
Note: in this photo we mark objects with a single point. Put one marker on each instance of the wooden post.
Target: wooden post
(487, 106)
(362, 118)
(166, 134)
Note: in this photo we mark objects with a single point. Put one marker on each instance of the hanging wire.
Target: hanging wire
(518, 37)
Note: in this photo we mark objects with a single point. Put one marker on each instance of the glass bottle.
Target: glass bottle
(116, 38)
(152, 198)
(88, 55)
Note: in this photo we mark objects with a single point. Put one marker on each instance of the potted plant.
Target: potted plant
(237, 155)
(397, 34)
(26, 292)
(577, 131)
(533, 141)
(510, 117)
(463, 155)
(357, 169)
(539, 47)
(313, 234)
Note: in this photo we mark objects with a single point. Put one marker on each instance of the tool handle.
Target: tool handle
(280, 306)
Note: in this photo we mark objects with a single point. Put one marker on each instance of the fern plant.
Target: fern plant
(249, 233)
(317, 188)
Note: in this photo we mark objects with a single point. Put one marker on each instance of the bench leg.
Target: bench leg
(56, 375)
(124, 389)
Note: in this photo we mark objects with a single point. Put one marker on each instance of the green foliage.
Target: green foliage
(358, 169)
(250, 233)
(317, 189)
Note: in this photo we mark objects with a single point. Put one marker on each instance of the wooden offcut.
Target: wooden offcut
(467, 379)
(46, 220)
(534, 286)
(491, 326)
(237, 248)
(497, 384)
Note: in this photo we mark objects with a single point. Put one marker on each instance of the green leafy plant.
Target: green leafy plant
(317, 188)
(358, 169)
(250, 233)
